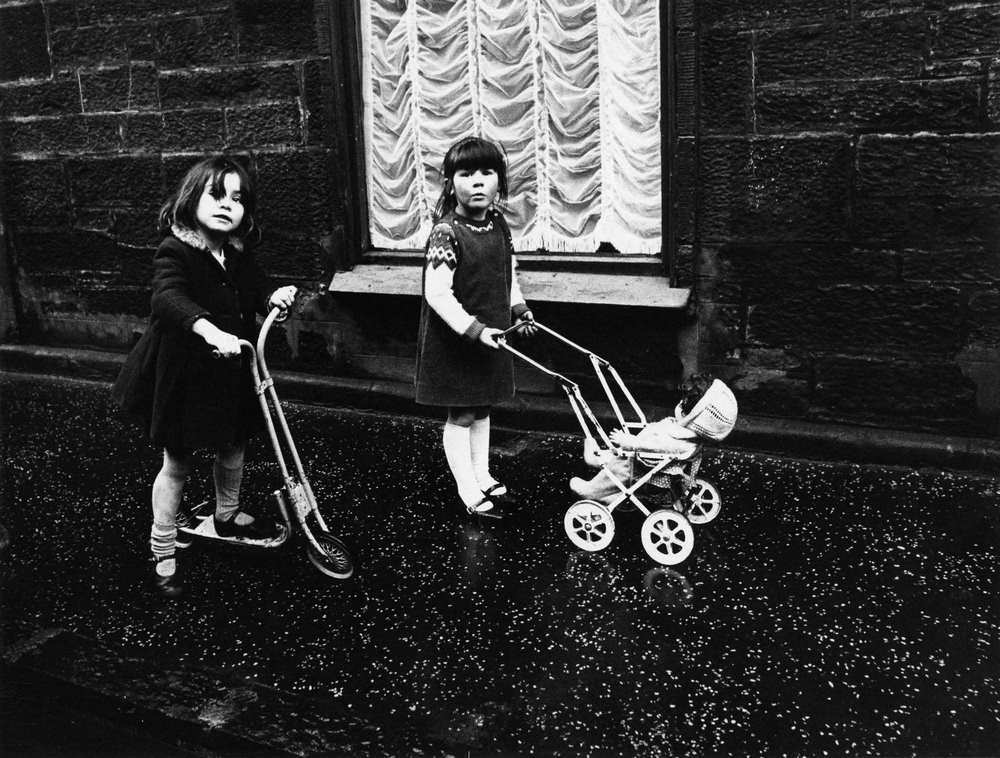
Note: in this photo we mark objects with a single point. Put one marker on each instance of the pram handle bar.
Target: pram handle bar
(522, 324)
(583, 412)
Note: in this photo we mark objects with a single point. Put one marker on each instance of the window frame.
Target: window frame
(357, 249)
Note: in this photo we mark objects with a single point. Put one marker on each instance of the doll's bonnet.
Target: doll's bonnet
(714, 415)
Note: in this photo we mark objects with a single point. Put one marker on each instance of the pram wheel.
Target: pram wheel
(334, 559)
(667, 537)
(589, 525)
(703, 502)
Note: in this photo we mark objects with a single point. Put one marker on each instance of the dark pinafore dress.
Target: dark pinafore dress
(453, 370)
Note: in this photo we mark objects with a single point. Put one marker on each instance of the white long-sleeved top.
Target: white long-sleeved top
(439, 276)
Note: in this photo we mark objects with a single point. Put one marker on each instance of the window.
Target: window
(577, 92)
(571, 89)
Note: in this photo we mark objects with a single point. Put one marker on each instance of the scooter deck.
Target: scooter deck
(201, 525)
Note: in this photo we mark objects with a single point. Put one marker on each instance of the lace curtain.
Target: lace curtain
(570, 88)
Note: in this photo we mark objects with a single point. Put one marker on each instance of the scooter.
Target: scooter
(325, 550)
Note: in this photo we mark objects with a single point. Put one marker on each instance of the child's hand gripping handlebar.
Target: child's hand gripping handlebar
(276, 314)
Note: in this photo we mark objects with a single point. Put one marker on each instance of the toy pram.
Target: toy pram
(326, 551)
(666, 533)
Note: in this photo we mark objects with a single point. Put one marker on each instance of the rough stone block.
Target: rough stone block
(132, 181)
(687, 83)
(106, 89)
(966, 33)
(984, 317)
(774, 382)
(755, 271)
(256, 126)
(199, 41)
(23, 45)
(136, 227)
(72, 134)
(114, 298)
(36, 192)
(296, 257)
(911, 394)
(685, 192)
(276, 28)
(876, 47)
(882, 319)
(65, 252)
(775, 189)
(886, 106)
(925, 222)
(993, 93)
(142, 131)
(971, 263)
(283, 203)
(318, 98)
(62, 14)
(964, 166)
(93, 45)
(230, 86)
(726, 83)
(119, 89)
(116, 11)
(194, 129)
(58, 97)
(769, 13)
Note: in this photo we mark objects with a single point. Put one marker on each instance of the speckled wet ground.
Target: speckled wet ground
(829, 610)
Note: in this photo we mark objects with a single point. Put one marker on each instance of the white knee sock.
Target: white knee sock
(458, 452)
(168, 488)
(479, 444)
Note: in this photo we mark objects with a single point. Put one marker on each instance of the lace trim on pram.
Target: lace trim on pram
(687, 470)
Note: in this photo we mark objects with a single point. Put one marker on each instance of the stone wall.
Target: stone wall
(836, 194)
(843, 208)
(106, 103)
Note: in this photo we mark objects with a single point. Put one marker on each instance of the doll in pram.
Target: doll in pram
(665, 455)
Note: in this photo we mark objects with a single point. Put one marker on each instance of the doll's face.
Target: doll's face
(220, 216)
(475, 190)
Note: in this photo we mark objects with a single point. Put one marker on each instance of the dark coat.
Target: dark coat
(183, 396)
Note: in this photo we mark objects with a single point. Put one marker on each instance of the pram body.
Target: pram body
(667, 535)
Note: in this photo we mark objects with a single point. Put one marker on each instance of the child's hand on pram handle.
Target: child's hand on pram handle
(526, 322)
(489, 337)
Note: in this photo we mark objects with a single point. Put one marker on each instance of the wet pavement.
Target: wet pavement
(831, 609)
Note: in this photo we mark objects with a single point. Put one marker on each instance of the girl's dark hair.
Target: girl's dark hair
(470, 153)
(181, 207)
(693, 389)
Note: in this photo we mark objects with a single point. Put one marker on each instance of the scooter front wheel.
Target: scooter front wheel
(332, 558)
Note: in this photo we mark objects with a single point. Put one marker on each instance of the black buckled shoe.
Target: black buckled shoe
(167, 587)
(258, 529)
(494, 509)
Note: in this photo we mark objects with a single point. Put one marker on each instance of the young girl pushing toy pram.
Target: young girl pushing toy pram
(665, 454)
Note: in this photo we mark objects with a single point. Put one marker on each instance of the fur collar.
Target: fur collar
(195, 240)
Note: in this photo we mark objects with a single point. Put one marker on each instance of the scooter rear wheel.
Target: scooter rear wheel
(334, 559)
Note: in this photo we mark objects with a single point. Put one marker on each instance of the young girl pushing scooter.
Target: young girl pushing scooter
(185, 380)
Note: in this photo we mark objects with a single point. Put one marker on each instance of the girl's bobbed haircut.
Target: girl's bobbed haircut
(469, 154)
(181, 207)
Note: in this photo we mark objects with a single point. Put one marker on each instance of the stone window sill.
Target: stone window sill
(604, 280)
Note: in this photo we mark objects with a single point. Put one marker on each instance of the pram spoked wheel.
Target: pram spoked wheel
(331, 556)
(703, 502)
(589, 525)
(667, 537)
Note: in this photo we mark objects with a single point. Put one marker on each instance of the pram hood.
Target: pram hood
(714, 415)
